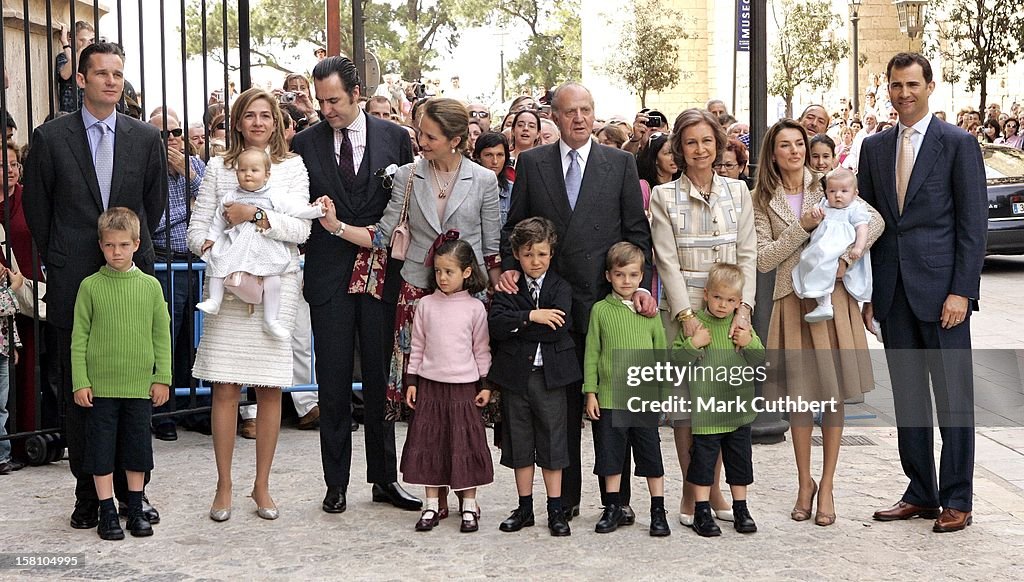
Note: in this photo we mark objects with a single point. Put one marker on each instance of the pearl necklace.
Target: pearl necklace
(443, 188)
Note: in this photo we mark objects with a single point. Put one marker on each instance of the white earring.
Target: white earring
(453, 150)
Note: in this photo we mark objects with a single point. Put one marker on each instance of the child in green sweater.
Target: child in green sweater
(615, 325)
(120, 363)
(721, 409)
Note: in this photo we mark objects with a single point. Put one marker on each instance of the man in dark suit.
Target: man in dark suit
(592, 194)
(345, 156)
(927, 180)
(80, 165)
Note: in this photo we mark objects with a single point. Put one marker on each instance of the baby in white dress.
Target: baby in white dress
(243, 247)
(845, 223)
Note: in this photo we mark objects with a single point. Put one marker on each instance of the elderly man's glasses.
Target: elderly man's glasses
(480, 114)
(176, 132)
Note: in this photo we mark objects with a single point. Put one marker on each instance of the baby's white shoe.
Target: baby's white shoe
(209, 307)
(821, 313)
(275, 329)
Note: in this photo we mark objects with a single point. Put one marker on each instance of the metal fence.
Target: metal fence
(30, 44)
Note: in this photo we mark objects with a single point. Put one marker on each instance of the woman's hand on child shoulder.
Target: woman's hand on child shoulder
(160, 393)
(482, 398)
(410, 397)
(553, 318)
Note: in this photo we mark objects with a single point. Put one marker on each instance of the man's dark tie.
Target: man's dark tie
(345, 163)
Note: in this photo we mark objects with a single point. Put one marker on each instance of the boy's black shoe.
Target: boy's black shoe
(519, 519)
(629, 517)
(110, 526)
(152, 515)
(611, 519)
(742, 520)
(139, 526)
(659, 523)
(557, 523)
(704, 524)
(86, 514)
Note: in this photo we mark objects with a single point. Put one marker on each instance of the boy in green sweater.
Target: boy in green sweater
(615, 325)
(721, 402)
(120, 368)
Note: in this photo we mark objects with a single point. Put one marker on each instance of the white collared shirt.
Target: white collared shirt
(584, 152)
(357, 135)
(917, 139)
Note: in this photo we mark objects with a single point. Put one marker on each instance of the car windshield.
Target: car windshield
(1003, 163)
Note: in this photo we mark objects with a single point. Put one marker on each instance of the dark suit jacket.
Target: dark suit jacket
(62, 201)
(937, 246)
(514, 338)
(609, 209)
(329, 259)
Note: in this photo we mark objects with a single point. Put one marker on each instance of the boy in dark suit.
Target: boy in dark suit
(534, 359)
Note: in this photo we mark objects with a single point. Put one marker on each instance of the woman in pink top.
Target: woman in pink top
(446, 446)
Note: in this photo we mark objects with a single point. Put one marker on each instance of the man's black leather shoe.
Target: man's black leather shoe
(334, 501)
(165, 431)
(394, 494)
(571, 512)
(628, 517)
(86, 514)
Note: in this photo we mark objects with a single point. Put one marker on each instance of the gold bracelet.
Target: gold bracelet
(685, 315)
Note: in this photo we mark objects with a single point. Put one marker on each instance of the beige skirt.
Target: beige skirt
(818, 361)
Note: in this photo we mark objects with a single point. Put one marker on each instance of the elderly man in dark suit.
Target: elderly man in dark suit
(592, 194)
(80, 165)
(927, 180)
(346, 156)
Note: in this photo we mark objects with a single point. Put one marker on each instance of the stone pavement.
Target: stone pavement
(374, 541)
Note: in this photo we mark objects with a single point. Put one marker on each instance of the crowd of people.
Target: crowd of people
(486, 273)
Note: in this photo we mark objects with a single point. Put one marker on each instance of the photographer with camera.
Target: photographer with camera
(296, 92)
(646, 121)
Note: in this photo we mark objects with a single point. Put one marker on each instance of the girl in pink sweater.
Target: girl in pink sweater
(446, 445)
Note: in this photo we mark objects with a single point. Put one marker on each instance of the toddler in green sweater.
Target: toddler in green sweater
(721, 395)
(120, 362)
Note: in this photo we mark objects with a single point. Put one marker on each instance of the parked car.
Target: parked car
(1004, 175)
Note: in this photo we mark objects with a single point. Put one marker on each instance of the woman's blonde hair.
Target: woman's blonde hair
(236, 143)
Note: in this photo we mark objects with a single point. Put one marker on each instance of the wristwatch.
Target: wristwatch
(258, 216)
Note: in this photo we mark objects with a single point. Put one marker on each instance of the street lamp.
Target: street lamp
(911, 14)
(854, 19)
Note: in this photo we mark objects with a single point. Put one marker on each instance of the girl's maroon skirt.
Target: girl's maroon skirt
(446, 445)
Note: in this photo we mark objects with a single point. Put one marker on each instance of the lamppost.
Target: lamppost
(911, 14)
(854, 19)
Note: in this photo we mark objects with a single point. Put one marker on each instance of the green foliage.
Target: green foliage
(977, 38)
(806, 52)
(648, 58)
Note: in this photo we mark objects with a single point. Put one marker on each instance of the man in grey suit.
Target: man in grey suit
(927, 180)
(78, 166)
(592, 194)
